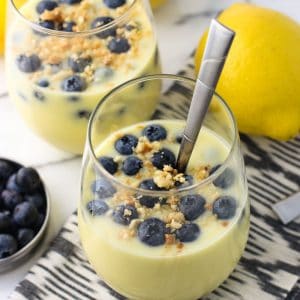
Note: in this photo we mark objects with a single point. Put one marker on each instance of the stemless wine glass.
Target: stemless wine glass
(139, 265)
(62, 57)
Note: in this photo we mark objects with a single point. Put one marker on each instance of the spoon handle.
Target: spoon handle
(217, 47)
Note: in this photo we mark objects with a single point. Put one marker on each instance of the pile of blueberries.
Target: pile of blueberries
(74, 83)
(152, 231)
(22, 206)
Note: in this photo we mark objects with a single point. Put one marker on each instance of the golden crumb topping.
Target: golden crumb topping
(167, 177)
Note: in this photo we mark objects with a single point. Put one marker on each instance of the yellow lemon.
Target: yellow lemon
(260, 80)
(157, 3)
(18, 4)
(2, 25)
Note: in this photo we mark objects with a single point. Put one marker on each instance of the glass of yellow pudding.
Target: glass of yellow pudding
(149, 231)
(63, 56)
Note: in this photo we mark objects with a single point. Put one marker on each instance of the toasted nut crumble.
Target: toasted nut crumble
(127, 212)
(175, 225)
(202, 172)
(144, 146)
(135, 223)
(175, 216)
(126, 234)
(167, 177)
(170, 239)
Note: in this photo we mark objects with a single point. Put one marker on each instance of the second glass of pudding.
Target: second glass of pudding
(149, 231)
(63, 56)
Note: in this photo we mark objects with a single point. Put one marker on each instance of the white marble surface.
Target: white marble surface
(61, 170)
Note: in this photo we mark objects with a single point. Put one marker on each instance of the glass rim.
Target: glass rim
(60, 33)
(179, 190)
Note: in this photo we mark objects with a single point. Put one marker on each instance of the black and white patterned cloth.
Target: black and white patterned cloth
(269, 268)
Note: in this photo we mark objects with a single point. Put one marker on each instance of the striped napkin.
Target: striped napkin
(269, 268)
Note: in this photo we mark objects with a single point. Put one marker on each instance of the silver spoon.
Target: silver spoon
(217, 47)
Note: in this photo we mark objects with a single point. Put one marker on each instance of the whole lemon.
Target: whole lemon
(18, 4)
(260, 80)
(2, 25)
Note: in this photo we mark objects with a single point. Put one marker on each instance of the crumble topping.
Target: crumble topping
(144, 146)
(170, 239)
(168, 177)
(202, 172)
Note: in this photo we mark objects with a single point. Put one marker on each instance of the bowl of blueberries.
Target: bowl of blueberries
(24, 212)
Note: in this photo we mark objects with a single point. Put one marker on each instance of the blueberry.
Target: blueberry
(163, 157)
(28, 64)
(125, 144)
(6, 169)
(224, 207)
(73, 98)
(155, 132)
(192, 206)
(28, 179)
(114, 3)
(225, 180)
(124, 214)
(39, 222)
(43, 83)
(12, 185)
(188, 232)
(118, 45)
(103, 188)
(108, 164)
(25, 214)
(11, 199)
(68, 26)
(152, 232)
(24, 236)
(189, 180)
(38, 200)
(8, 245)
(70, 2)
(121, 111)
(101, 21)
(141, 85)
(148, 201)
(2, 187)
(45, 5)
(39, 95)
(74, 83)
(47, 24)
(5, 222)
(79, 64)
(179, 138)
(150, 185)
(83, 114)
(97, 207)
(132, 165)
